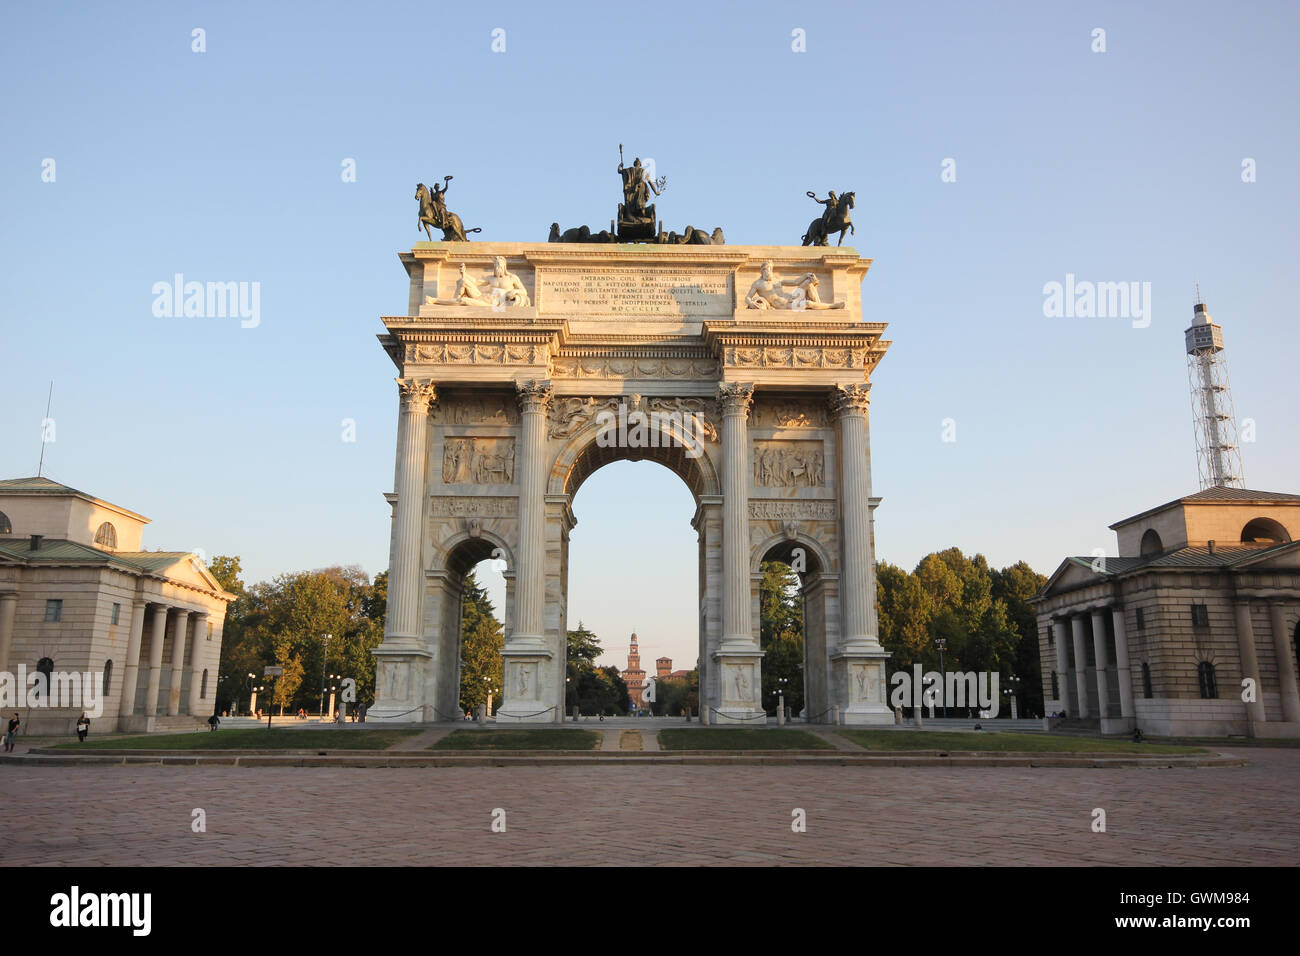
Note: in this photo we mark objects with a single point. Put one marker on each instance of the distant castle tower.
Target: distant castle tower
(634, 676)
(663, 667)
(1217, 453)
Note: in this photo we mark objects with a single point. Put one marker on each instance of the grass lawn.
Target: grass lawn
(1031, 743)
(546, 738)
(740, 738)
(251, 738)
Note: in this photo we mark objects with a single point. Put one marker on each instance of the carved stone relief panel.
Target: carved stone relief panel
(789, 464)
(791, 413)
(471, 409)
(478, 461)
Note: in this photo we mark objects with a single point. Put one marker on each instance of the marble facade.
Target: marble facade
(504, 411)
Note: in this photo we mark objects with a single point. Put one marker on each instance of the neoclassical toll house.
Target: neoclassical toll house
(1192, 630)
(524, 367)
(79, 595)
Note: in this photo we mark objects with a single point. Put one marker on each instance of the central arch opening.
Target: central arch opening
(633, 568)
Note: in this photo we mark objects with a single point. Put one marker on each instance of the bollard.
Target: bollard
(780, 711)
(704, 715)
(835, 714)
(575, 713)
(916, 717)
(688, 715)
(482, 715)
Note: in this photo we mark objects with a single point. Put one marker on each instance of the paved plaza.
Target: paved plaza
(658, 815)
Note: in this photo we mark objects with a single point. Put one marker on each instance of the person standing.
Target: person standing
(83, 727)
(11, 731)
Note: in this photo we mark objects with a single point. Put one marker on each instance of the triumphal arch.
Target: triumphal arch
(524, 367)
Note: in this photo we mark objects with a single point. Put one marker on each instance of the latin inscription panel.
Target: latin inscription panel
(645, 291)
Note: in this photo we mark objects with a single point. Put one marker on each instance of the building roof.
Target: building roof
(60, 551)
(40, 485)
(1195, 557)
(1218, 493)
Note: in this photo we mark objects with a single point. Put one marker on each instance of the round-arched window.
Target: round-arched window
(106, 536)
(1151, 543)
(108, 675)
(1264, 531)
(5, 526)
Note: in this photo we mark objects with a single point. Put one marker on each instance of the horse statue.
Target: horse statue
(836, 220)
(434, 213)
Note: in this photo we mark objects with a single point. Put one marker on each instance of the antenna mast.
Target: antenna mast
(44, 424)
(1218, 455)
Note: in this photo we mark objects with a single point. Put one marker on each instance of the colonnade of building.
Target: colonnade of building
(1090, 697)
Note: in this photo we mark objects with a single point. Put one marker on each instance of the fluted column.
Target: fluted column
(156, 637)
(8, 606)
(530, 579)
(850, 402)
(737, 628)
(1080, 665)
(178, 662)
(201, 626)
(1123, 673)
(402, 625)
(1062, 663)
(1285, 663)
(1099, 650)
(131, 672)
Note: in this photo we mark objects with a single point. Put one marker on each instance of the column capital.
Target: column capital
(534, 395)
(851, 399)
(735, 397)
(416, 394)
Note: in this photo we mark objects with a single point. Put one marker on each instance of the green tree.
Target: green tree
(288, 617)
(482, 639)
(781, 635)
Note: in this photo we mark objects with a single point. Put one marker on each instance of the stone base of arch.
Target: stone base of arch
(858, 686)
(740, 680)
(399, 686)
(527, 697)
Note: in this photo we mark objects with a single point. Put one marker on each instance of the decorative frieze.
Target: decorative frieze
(803, 510)
(474, 353)
(793, 357)
(640, 368)
(444, 506)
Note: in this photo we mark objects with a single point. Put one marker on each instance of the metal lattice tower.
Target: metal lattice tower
(1218, 454)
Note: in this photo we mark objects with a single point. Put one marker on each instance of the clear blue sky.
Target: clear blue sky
(225, 165)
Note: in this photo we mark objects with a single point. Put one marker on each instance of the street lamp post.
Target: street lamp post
(323, 664)
(1012, 691)
(941, 643)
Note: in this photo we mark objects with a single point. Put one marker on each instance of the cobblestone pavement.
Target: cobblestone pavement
(697, 815)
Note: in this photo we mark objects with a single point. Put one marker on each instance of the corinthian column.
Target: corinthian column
(530, 575)
(737, 629)
(530, 683)
(850, 403)
(402, 626)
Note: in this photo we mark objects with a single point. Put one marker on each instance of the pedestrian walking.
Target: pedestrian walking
(214, 722)
(83, 727)
(11, 731)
